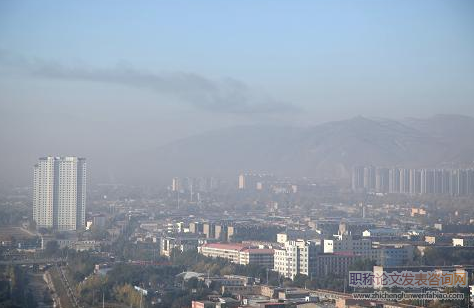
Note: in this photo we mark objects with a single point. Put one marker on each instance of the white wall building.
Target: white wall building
(295, 258)
(347, 243)
(463, 241)
(381, 254)
(59, 193)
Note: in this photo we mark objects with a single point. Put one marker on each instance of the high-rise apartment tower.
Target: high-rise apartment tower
(59, 195)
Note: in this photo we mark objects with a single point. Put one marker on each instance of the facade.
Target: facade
(370, 178)
(392, 254)
(347, 243)
(255, 181)
(456, 182)
(203, 304)
(463, 241)
(221, 231)
(175, 184)
(357, 178)
(333, 264)
(239, 253)
(262, 257)
(169, 243)
(349, 246)
(229, 252)
(193, 186)
(394, 180)
(59, 193)
(382, 233)
(296, 257)
(382, 180)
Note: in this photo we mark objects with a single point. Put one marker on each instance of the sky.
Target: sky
(92, 78)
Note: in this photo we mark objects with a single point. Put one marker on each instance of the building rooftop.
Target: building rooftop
(233, 246)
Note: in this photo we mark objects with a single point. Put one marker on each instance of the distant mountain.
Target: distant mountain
(326, 151)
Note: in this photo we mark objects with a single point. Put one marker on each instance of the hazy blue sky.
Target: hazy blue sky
(85, 76)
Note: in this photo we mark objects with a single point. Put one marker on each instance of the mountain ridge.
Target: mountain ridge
(327, 150)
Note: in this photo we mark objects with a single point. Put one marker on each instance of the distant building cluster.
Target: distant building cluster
(264, 181)
(213, 230)
(59, 193)
(455, 182)
(194, 185)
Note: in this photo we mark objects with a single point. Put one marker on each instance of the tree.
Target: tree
(52, 248)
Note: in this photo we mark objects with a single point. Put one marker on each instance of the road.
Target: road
(32, 261)
(67, 286)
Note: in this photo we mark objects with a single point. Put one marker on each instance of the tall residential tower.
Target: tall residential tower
(59, 196)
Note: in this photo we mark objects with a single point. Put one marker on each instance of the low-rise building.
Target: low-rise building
(182, 243)
(259, 256)
(348, 243)
(392, 254)
(203, 304)
(463, 241)
(295, 258)
(239, 253)
(382, 233)
(335, 264)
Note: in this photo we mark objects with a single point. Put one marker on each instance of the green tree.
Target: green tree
(52, 248)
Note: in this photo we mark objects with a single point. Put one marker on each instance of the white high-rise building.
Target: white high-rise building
(296, 257)
(59, 196)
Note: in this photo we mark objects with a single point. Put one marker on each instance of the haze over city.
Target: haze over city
(127, 78)
(237, 154)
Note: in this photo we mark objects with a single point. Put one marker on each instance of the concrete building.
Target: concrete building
(203, 304)
(59, 193)
(255, 181)
(456, 182)
(260, 256)
(293, 235)
(370, 178)
(182, 243)
(349, 244)
(394, 181)
(336, 264)
(357, 178)
(464, 241)
(239, 253)
(296, 257)
(382, 180)
(196, 227)
(99, 221)
(405, 181)
(221, 231)
(386, 233)
(208, 229)
(392, 254)
(175, 185)
(365, 248)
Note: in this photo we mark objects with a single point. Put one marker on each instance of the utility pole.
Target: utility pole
(103, 303)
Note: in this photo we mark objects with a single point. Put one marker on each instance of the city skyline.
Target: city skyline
(237, 154)
(172, 74)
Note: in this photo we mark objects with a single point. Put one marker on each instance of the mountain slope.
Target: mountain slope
(326, 151)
